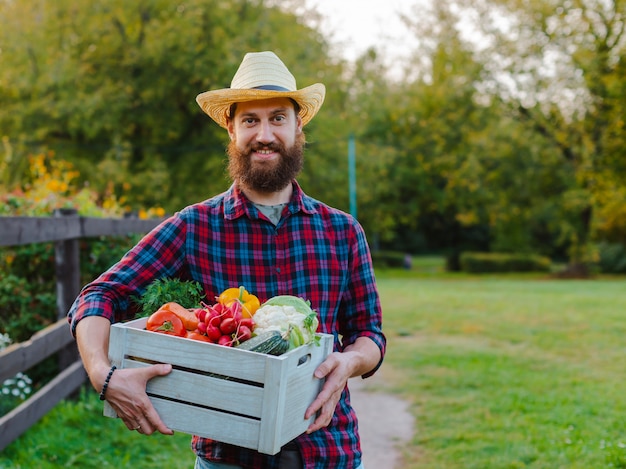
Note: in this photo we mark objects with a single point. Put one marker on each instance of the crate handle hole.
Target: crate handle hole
(304, 359)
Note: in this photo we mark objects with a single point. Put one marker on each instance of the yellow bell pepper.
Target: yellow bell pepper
(249, 302)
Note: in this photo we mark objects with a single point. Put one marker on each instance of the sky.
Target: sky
(355, 25)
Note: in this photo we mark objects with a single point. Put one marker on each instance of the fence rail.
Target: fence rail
(65, 228)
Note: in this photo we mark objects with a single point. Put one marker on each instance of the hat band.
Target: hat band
(271, 88)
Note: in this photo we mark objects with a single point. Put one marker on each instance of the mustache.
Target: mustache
(274, 146)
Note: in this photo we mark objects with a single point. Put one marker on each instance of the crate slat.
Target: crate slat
(202, 356)
(205, 391)
(185, 418)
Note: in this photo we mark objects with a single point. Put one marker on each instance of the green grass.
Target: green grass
(509, 372)
(75, 434)
(516, 371)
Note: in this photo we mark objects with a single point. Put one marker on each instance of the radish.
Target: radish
(228, 325)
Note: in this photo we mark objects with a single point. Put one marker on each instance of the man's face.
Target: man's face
(266, 148)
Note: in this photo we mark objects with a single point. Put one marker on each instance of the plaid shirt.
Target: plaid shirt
(315, 252)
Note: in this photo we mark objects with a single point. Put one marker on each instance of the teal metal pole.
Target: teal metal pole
(352, 174)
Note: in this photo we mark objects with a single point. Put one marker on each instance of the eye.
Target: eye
(280, 118)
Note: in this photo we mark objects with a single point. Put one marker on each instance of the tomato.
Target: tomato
(166, 322)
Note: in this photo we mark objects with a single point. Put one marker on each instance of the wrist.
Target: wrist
(105, 384)
(98, 375)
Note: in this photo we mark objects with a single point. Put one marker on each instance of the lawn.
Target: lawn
(501, 372)
(509, 373)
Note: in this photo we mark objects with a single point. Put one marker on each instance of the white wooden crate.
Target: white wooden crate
(234, 396)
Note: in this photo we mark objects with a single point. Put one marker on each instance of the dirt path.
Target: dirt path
(385, 422)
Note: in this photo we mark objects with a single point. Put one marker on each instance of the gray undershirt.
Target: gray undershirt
(272, 212)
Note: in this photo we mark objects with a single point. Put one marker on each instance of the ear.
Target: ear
(298, 124)
(231, 129)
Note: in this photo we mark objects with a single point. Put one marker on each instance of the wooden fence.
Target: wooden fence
(65, 229)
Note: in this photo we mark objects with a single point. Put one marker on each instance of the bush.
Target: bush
(98, 254)
(27, 273)
(612, 258)
(488, 262)
(26, 307)
(387, 259)
(13, 391)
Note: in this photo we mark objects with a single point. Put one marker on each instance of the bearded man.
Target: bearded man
(264, 233)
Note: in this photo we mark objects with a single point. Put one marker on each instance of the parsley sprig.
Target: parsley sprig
(187, 293)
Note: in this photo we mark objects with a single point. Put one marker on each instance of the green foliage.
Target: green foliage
(384, 259)
(489, 262)
(612, 258)
(98, 254)
(187, 293)
(116, 83)
(75, 434)
(13, 391)
(476, 139)
(28, 273)
(28, 280)
(26, 307)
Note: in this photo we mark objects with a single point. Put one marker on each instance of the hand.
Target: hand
(126, 394)
(357, 359)
(336, 369)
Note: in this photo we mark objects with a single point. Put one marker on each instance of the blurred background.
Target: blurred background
(480, 143)
(448, 127)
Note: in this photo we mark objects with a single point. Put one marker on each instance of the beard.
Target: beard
(266, 177)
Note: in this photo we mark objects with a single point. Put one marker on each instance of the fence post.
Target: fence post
(67, 264)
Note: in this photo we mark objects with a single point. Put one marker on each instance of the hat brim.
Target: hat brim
(217, 103)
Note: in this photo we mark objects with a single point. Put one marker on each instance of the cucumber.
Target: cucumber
(270, 342)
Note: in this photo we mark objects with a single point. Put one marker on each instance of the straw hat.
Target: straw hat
(261, 75)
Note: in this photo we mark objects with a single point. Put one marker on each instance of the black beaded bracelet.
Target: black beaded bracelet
(106, 382)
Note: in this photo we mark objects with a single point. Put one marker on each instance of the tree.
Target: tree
(111, 86)
(563, 70)
(431, 121)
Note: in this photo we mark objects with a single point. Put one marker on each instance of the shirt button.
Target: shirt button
(278, 269)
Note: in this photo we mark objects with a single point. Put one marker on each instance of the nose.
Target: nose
(265, 133)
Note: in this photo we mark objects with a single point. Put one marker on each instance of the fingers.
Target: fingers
(326, 411)
(324, 405)
(336, 372)
(128, 398)
(153, 371)
(148, 424)
(152, 422)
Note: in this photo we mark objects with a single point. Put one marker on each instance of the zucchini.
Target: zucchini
(270, 342)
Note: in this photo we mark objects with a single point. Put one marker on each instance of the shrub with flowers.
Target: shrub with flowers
(27, 273)
(14, 390)
(50, 184)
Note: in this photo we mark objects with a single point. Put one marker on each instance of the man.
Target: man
(266, 234)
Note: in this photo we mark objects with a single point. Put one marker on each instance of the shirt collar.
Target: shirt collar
(236, 204)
